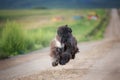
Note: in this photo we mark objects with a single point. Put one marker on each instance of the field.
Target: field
(23, 31)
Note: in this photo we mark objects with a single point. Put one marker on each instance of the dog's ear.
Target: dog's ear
(69, 29)
(58, 31)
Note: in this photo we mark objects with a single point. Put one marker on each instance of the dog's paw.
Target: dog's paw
(54, 64)
(78, 50)
(73, 56)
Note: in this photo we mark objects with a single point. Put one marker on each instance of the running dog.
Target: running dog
(63, 47)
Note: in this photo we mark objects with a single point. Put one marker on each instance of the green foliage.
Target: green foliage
(97, 32)
(13, 40)
(41, 37)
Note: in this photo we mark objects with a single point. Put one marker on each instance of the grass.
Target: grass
(14, 40)
(97, 32)
(26, 40)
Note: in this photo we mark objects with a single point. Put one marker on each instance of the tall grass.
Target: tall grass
(14, 40)
(41, 37)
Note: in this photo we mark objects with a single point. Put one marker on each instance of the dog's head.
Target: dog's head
(64, 32)
(65, 58)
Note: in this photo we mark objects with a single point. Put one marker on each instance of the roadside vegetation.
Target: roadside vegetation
(17, 38)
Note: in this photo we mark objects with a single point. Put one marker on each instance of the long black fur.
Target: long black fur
(63, 55)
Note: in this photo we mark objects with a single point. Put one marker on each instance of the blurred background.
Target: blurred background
(29, 25)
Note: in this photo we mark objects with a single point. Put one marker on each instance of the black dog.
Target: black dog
(65, 34)
(64, 46)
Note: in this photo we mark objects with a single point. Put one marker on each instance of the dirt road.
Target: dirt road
(97, 61)
(108, 67)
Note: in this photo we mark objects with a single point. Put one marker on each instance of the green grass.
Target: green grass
(97, 32)
(16, 39)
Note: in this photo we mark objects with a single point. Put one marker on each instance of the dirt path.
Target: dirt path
(97, 61)
(113, 28)
(108, 67)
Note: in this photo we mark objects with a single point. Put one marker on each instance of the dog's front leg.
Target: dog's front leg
(56, 58)
(55, 62)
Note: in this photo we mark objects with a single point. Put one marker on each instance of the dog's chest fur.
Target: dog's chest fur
(58, 44)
